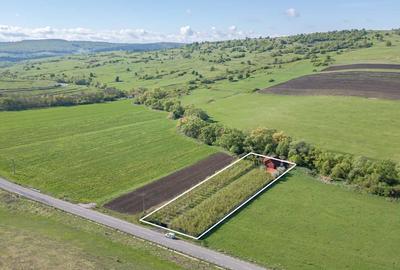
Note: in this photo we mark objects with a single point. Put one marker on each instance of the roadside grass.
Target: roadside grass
(34, 236)
(360, 126)
(302, 223)
(92, 153)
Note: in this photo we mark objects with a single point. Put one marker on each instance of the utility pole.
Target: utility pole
(13, 166)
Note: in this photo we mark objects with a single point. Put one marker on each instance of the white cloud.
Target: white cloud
(186, 31)
(291, 12)
(232, 28)
(129, 35)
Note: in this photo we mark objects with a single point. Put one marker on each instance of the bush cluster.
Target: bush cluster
(158, 99)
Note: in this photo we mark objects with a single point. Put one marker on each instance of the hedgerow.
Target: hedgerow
(380, 177)
(24, 102)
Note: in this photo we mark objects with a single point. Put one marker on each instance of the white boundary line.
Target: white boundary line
(231, 212)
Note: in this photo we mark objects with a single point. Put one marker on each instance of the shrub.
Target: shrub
(210, 133)
(232, 140)
(191, 126)
(196, 112)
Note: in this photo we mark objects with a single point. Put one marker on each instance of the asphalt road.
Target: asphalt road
(181, 246)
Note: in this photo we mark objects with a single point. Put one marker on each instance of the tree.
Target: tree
(191, 126)
(260, 140)
(210, 133)
(342, 169)
(177, 111)
(197, 112)
(324, 163)
(387, 172)
(301, 153)
(232, 140)
(388, 43)
(169, 104)
(282, 149)
(117, 79)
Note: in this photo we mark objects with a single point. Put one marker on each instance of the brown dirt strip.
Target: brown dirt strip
(362, 66)
(384, 85)
(170, 186)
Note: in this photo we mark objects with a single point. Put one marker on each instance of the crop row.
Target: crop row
(202, 207)
(199, 194)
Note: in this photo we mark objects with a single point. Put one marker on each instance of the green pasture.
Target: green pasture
(302, 223)
(92, 153)
(359, 126)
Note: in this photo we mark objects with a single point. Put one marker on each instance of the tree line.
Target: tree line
(380, 177)
(24, 102)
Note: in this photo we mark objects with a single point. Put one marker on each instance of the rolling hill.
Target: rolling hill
(31, 49)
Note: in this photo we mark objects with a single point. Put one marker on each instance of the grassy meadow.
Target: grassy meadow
(342, 121)
(302, 223)
(34, 236)
(92, 153)
(359, 126)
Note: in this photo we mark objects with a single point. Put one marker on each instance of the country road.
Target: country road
(181, 246)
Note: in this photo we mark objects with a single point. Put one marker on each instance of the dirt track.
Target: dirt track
(353, 83)
(169, 186)
(363, 66)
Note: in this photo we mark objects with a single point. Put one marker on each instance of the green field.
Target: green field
(40, 87)
(92, 153)
(346, 124)
(34, 236)
(302, 223)
(341, 121)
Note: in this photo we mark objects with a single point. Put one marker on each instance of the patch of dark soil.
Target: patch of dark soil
(170, 186)
(353, 83)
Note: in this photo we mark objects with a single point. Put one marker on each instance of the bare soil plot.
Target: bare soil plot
(353, 83)
(363, 66)
(169, 186)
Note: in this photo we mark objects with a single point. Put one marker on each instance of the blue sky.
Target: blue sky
(145, 21)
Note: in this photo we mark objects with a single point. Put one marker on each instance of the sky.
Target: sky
(188, 21)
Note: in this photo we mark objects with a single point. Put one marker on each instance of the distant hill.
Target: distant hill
(31, 49)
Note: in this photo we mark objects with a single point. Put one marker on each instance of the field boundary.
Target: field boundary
(293, 165)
